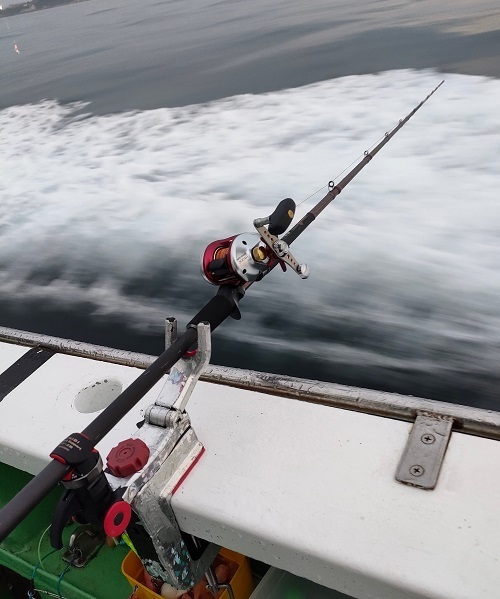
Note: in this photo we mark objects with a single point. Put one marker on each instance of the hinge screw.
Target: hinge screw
(428, 439)
(417, 470)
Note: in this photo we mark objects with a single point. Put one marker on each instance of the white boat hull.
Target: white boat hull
(304, 487)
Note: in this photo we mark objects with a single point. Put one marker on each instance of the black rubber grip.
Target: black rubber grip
(30, 496)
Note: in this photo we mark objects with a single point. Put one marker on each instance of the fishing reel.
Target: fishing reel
(248, 257)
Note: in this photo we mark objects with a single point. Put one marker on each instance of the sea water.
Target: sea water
(104, 215)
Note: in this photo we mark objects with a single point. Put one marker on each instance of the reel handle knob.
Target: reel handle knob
(280, 219)
(303, 271)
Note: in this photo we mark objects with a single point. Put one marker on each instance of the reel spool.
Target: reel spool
(234, 260)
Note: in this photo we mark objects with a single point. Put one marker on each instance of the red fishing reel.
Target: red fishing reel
(247, 257)
(235, 260)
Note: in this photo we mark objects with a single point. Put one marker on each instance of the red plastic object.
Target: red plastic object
(128, 457)
(117, 519)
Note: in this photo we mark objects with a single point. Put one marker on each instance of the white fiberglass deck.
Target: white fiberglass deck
(304, 487)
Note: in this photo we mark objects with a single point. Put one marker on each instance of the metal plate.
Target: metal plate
(424, 452)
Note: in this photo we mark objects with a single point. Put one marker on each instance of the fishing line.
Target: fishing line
(40, 559)
(335, 188)
(360, 157)
(313, 194)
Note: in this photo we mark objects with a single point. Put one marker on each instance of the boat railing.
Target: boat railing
(466, 419)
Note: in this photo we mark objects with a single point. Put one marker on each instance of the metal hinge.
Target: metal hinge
(425, 450)
(181, 380)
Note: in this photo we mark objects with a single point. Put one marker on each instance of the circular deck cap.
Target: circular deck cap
(128, 457)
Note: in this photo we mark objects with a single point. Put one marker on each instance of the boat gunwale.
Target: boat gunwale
(466, 419)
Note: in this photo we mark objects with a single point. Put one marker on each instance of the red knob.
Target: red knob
(117, 519)
(128, 457)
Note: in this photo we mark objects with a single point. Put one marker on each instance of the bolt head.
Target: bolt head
(417, 470)
(428, 439)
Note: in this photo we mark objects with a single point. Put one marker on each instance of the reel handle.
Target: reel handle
(280, 219)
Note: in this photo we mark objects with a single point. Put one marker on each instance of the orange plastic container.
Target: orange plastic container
(241, 582)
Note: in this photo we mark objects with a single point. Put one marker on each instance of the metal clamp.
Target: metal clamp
(184, 375)
(166, 421)
(153, 506)
(174, 449)
(83, 545)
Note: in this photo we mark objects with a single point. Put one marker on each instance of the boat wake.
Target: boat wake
(106, 216)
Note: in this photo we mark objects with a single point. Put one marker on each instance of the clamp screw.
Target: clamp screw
(428, 439)
(417, 470)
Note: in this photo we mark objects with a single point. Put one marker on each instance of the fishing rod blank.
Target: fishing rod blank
(299, 228)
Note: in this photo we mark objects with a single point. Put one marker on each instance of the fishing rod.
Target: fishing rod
(299, 228)
(233, 264)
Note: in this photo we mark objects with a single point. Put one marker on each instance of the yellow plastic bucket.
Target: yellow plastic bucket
(241, 582)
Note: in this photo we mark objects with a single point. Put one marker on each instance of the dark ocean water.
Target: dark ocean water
(103, 217)
(125, 55)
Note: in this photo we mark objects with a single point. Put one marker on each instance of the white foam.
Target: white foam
(412, 244)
